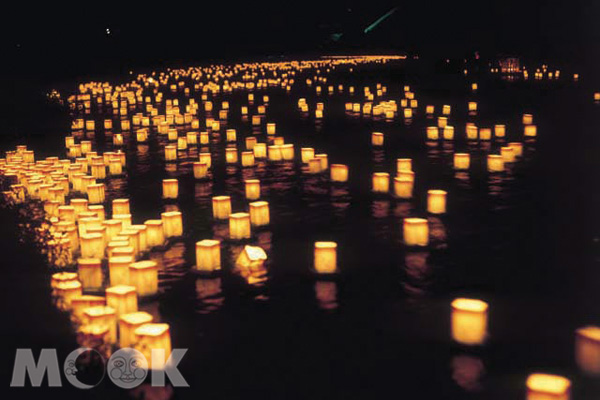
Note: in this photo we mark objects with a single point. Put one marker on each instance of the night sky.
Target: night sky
(72, 40)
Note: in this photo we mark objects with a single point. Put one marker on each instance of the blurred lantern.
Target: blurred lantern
(339, 173)
(377, 139)
(587, 349)
(381, 182)
(469, 321)
(495, 163)
(149, 337)
(416, 232)
(548, 387)
(122, 298)
(436, 201)
(90, 273)
(154, 233)
(252, 189)
(462, 161)
(325, 257)
(127, 325)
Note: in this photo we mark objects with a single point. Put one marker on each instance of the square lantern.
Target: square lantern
(325, 257)
(469, 321)
(416, 232)
(118, 269)
(208, 255)
(221, 206)
(436, 201)
(90, 273)
(239, 226)
(122, 298)
(259, 213)
(144, 276)
(128, 323)
(151, 336)
(172, 223)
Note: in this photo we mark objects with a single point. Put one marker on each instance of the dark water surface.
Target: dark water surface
(526, 241)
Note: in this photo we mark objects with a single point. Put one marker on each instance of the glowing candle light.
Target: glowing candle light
(192, 138)
(170, 153)
(252, 258)
(416, 232)
(271, 128)
(231, 155)
(239, 226)
(307, 154)
(485, 134)
(150, 337)
(377, 139)
(200, 170)
(323, 160)
(90, 273)
(325, 257)
(143, 275)
(172, 223)
(252, 189)
(429, 110)
(287, 151)
(208, 255)
(120, 206)
(80, 303)
(154, 233)
(250, 142)
(448, 132)
(508, 154)
(381, 182)
(231, 135)
(472, 131)
(206, 159)
(433, 133)
(495, 163)
(530, 131)
(260, 150)
(436, 201)
(122, 298)
(66, 291)
(170, 188)
(500, 130)
(221, 207)
(118, 270)
(548, 387)
(469, 321)
(339, 173)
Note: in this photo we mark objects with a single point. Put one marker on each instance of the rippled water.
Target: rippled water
(524, 240)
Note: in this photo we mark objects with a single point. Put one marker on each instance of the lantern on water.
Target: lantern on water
(92, 245)
(118, 270)
(446, 110)
(247, 159)
(416, 232)
(231, 135)
(200, 170)
(275, 153)
(469, 321)
(339, 173)
(172, 223)
(221, 207)
(429, 109)
(239, 226)
(118, 139)
(250, 142)
(508, 154)
(530, 131)
(377, 139)
(122, 298)
(500, 130)
(206, 159)
(96, 193)
(271, 127)
(170, 188)
(260, 150)
(433, 133)
(448, 132)
(325, 257)
(485, 133)
(259, 213)
(143, 275)
(287, 151)
(495, 163)
(252, 258)
(208, 255)
(462, 161)
(120, 206)
(128, 323)
(403, 187)
(472, 131)
(102, 317)
(252, 189)
(527, 119)
(124, 218)
(472, 106)
(154, 233)
(80, 303)
(170, 153)
(204, 138)
(151, 336)
(517, 148)
(381, 182)
(192, 138)
(436, 201)
(231, 155)
(587, 349)
(307, 153)
(90, 273)
(548, 387)
(256, 120)
(323, 160)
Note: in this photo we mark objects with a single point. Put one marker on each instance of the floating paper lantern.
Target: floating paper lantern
(120, 206)
(416, 232)
(66, 291)
(256, 120)
(259, 213)
(495, 163)
(433, 133)
(260, 150)
(221, 207)
(275, 153)
(271, 128)
(403, 187)
(206, 159)
(128, 323)
(485, 134)
(530, 131)
(90, 273)
(250, 142)
(287, 151)
(548, 387)
(472, 106)
(448, 132)
(587, 349)
(170, 188)
(472, 131)
(144, 276)
(96, 193)
(429, 109)
(307, 153)
(252, 187)
(517, 148)
(469, 321)
(231, 135)
(200, 170)
(436, 201)
(154, 233)
(204, 138)
(150, 337)
(80, 303)
(446, 110)
(170, 153)
(508, 154)
(323, 160)
(527, 119)
(339, 173)
(239, 226)
(500, 130)
(252, 258)
(377, 139)
(192, 138)
(102, 317)
(92, 245)
(172, 223)
(118, 270)
(325, 261)
(231, 155)
(208, 255)
(381, 182)
(462, 161)
(122, 298)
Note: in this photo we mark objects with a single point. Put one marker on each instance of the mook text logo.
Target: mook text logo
(85, 368)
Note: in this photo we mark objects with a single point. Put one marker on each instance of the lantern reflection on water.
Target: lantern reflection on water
(122, 298)
(151, 336)
(469, 321)
(128, 323)
(325, 257)
(208, 255)
(144, 276)
(239, 226)
(548, 387)
(66, 291)
(416, 232)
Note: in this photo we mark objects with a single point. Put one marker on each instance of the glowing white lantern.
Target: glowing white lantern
(325, 261)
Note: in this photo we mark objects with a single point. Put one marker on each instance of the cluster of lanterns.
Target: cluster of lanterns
(112, 271)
